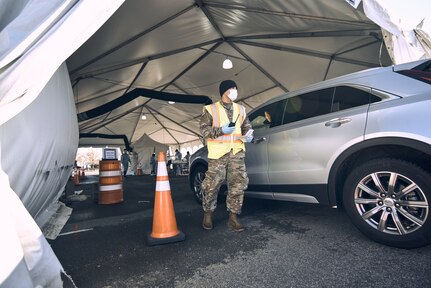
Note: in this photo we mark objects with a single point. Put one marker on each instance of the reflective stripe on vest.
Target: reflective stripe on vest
(224, 143)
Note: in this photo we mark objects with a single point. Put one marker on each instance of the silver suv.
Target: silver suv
(360, 141)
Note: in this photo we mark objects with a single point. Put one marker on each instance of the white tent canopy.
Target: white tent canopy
(179, 47)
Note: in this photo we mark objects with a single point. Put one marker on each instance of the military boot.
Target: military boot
(207, 224)
(234, 224)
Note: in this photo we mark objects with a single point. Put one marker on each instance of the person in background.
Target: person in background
(168, 167)
(178, 157)
(187, 157)
(153, 164)
(223, 125)
(125, 160)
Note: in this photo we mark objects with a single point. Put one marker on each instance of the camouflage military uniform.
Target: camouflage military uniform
(230, 167)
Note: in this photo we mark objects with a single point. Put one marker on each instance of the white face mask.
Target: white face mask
(233, 94)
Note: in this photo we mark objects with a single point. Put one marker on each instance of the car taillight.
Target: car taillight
(421, 72)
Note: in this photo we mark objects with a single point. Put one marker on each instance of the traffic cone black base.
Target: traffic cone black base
(160, 241)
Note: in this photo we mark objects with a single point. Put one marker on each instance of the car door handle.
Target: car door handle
(257, 140)
(334, 123)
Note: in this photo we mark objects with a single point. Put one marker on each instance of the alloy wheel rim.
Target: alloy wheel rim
(198, 184)
(391, 203)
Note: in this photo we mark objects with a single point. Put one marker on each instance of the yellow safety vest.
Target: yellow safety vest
(223, 144)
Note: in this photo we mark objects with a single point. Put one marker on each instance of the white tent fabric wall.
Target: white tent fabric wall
(144, 147)
(39, 146)
(38, 127)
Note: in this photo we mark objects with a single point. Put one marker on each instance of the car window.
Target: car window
(308, 105)
(267, 116)
(348, 97)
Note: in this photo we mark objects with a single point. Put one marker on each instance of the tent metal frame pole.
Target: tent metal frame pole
(136, 76)
(176, 87)
(113, 133)
(99, 96)
(255, 94)
(207, 13)
(307, 52)
(203, 56)
(90, 123)
(358, 47)
(179, 88)
(258, 67)
(201, 5)
(286, 14)
(191, 119)
(130, 40)
(327, 68)
(251, 107)
(161, 124)
(320, 34)
(170, 119)
(114, 118)
(137, 120)
(112, 68)
(172, 130)
(128, 88)
(179, 75)
(258, 93)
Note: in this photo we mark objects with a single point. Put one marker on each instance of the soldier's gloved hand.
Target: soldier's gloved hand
(248, 138)
(226, 129)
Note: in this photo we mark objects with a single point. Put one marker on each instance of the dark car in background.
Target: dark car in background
(360, 141)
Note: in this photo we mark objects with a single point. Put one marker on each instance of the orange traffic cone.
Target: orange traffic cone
(165, 228)
(76, 178)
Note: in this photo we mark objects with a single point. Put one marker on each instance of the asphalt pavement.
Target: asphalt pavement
(285, 245)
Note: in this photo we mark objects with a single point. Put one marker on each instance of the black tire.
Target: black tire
(197, 176)
(386, 215)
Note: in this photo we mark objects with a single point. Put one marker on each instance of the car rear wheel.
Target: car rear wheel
(198, 175)
(389, 201)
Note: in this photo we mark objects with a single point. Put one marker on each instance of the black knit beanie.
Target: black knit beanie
(226, 85)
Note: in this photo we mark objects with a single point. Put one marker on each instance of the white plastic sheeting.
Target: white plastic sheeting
(61, 28)
(38, 126)
(406, 27)
(27, 260)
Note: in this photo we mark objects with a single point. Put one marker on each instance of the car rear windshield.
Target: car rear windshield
(421, 72)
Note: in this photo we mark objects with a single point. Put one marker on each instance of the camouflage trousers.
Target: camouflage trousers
(232, 169)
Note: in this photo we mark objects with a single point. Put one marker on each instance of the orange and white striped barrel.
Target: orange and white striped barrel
(110, 182)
